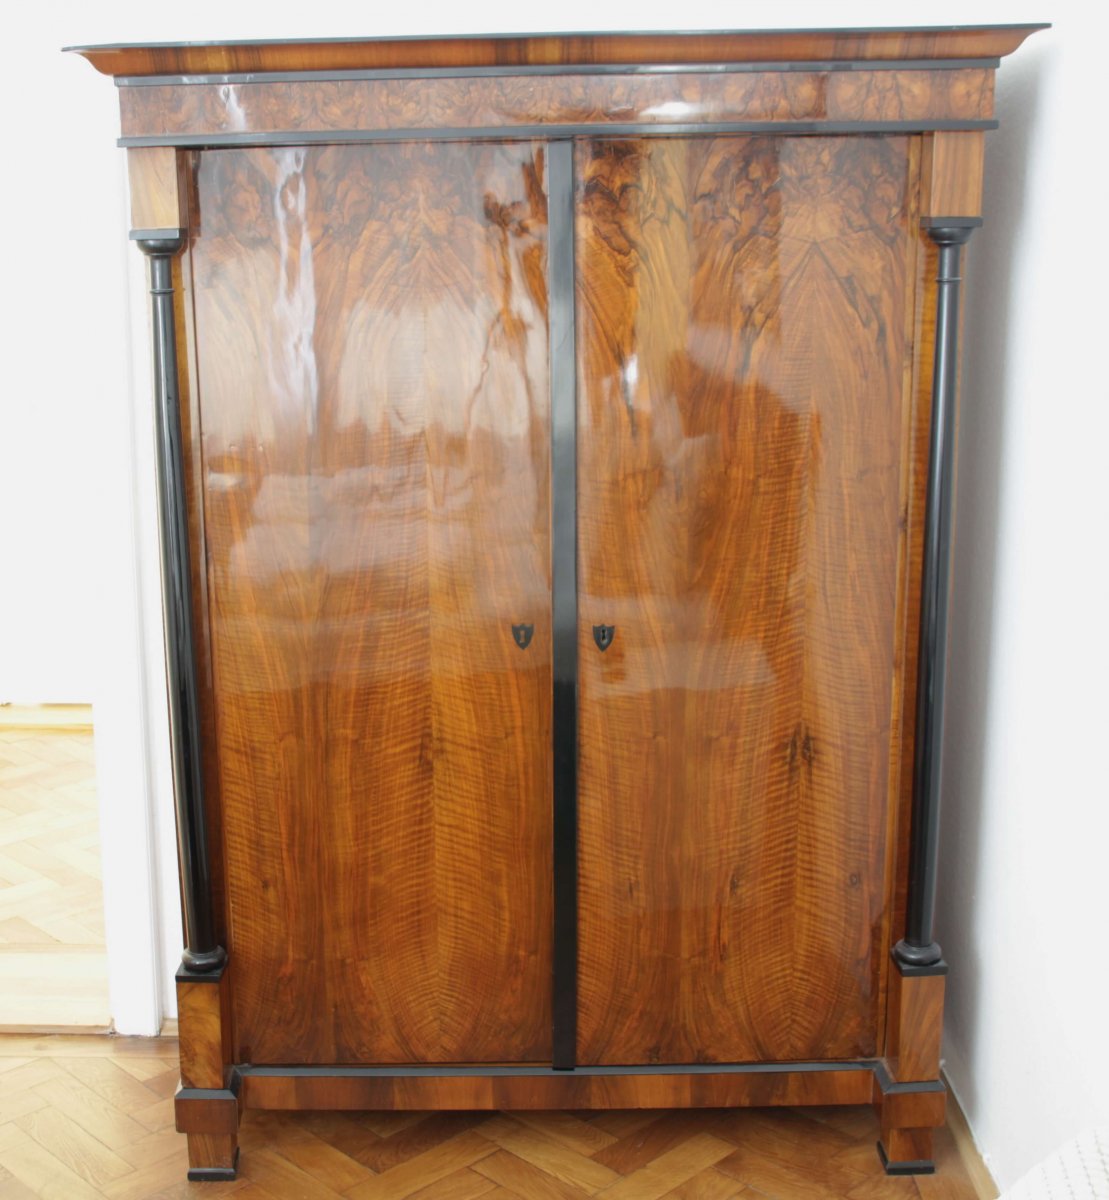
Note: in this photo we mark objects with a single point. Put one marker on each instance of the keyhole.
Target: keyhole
(602, 635)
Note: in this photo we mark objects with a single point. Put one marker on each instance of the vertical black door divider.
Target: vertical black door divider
(918, 950)
(564, 573)
(202, 953)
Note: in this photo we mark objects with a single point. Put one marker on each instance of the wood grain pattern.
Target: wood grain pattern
(371, 331)
(812, 45)
(211, 1150)
(157, 200)
(208, 1113)
(267, 106)
(914, 486)
(188, 371)
(568, 1091)
(916, 1026)
(200, 1018)
(742, 337)
(906, 1145)
(914, 1110)
(953, 166)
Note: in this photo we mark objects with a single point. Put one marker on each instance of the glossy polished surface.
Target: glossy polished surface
(669, 98)
(744, 307)
(566, 49)
(371, 336)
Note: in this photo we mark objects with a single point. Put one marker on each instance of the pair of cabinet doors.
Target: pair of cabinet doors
(371, 442)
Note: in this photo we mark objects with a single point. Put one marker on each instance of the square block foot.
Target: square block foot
(216, 1174)
(919, 1166)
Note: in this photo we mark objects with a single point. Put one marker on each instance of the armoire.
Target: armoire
(555, 448)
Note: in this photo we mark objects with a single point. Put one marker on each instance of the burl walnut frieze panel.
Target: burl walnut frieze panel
(239, 107)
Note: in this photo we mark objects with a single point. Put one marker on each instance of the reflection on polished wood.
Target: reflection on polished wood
(267, 106)
(768, 45)
(742, 330)
(371, 325)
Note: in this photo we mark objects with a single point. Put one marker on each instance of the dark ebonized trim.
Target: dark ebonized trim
(191, 1094)
(720, 68)
(950, 222)
(564, 602)
(678, 35)
(509, 133)
(215, 1174)
(918, 948)
(184, 975)
(889, 1087)
(202, 953)
(158, 235)
(911, 970)
(497, 1072)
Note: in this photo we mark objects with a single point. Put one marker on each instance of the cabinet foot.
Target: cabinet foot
(213, 1157)
(906, 1151)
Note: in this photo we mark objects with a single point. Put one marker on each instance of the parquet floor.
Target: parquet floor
(53, 965)
(84, 1117)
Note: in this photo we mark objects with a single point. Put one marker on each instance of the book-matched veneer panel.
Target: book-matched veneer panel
(743, 308)
(666, 98)
(372, 347)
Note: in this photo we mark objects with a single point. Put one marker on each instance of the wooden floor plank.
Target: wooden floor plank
(274, 1173)
(647, 1142)
(409, 1177)
(39, 1169)
(568, 1129)
(515, 1174)
(537, 1148)
(53, 963)
(312, 1155)
(710, 1184)
(80, 1151)
(670, 1169)
(108, 1124)
(462, 1185)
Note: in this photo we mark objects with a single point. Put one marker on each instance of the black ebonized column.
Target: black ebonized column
(918, 951)
(564, 568)
(202, 954)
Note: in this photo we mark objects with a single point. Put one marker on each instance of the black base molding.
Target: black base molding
(917, 1166)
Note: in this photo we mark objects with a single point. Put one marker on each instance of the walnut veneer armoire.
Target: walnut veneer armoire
(555, 468)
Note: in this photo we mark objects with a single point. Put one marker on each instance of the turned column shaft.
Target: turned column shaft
(918, 948)
(202, 952)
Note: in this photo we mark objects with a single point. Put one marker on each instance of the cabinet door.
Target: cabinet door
(372, 348)
(742, 309)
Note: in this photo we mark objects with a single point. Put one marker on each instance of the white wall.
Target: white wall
(1023, 895)
(1025, 826)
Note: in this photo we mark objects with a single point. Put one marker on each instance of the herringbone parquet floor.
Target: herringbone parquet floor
(93, 1117)
(53, 965)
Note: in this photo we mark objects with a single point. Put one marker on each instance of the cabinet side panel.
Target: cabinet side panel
(371, 328)
(742, 335)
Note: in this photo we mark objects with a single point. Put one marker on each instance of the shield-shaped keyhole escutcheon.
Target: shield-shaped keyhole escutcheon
(602, 635)
(521, 635)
